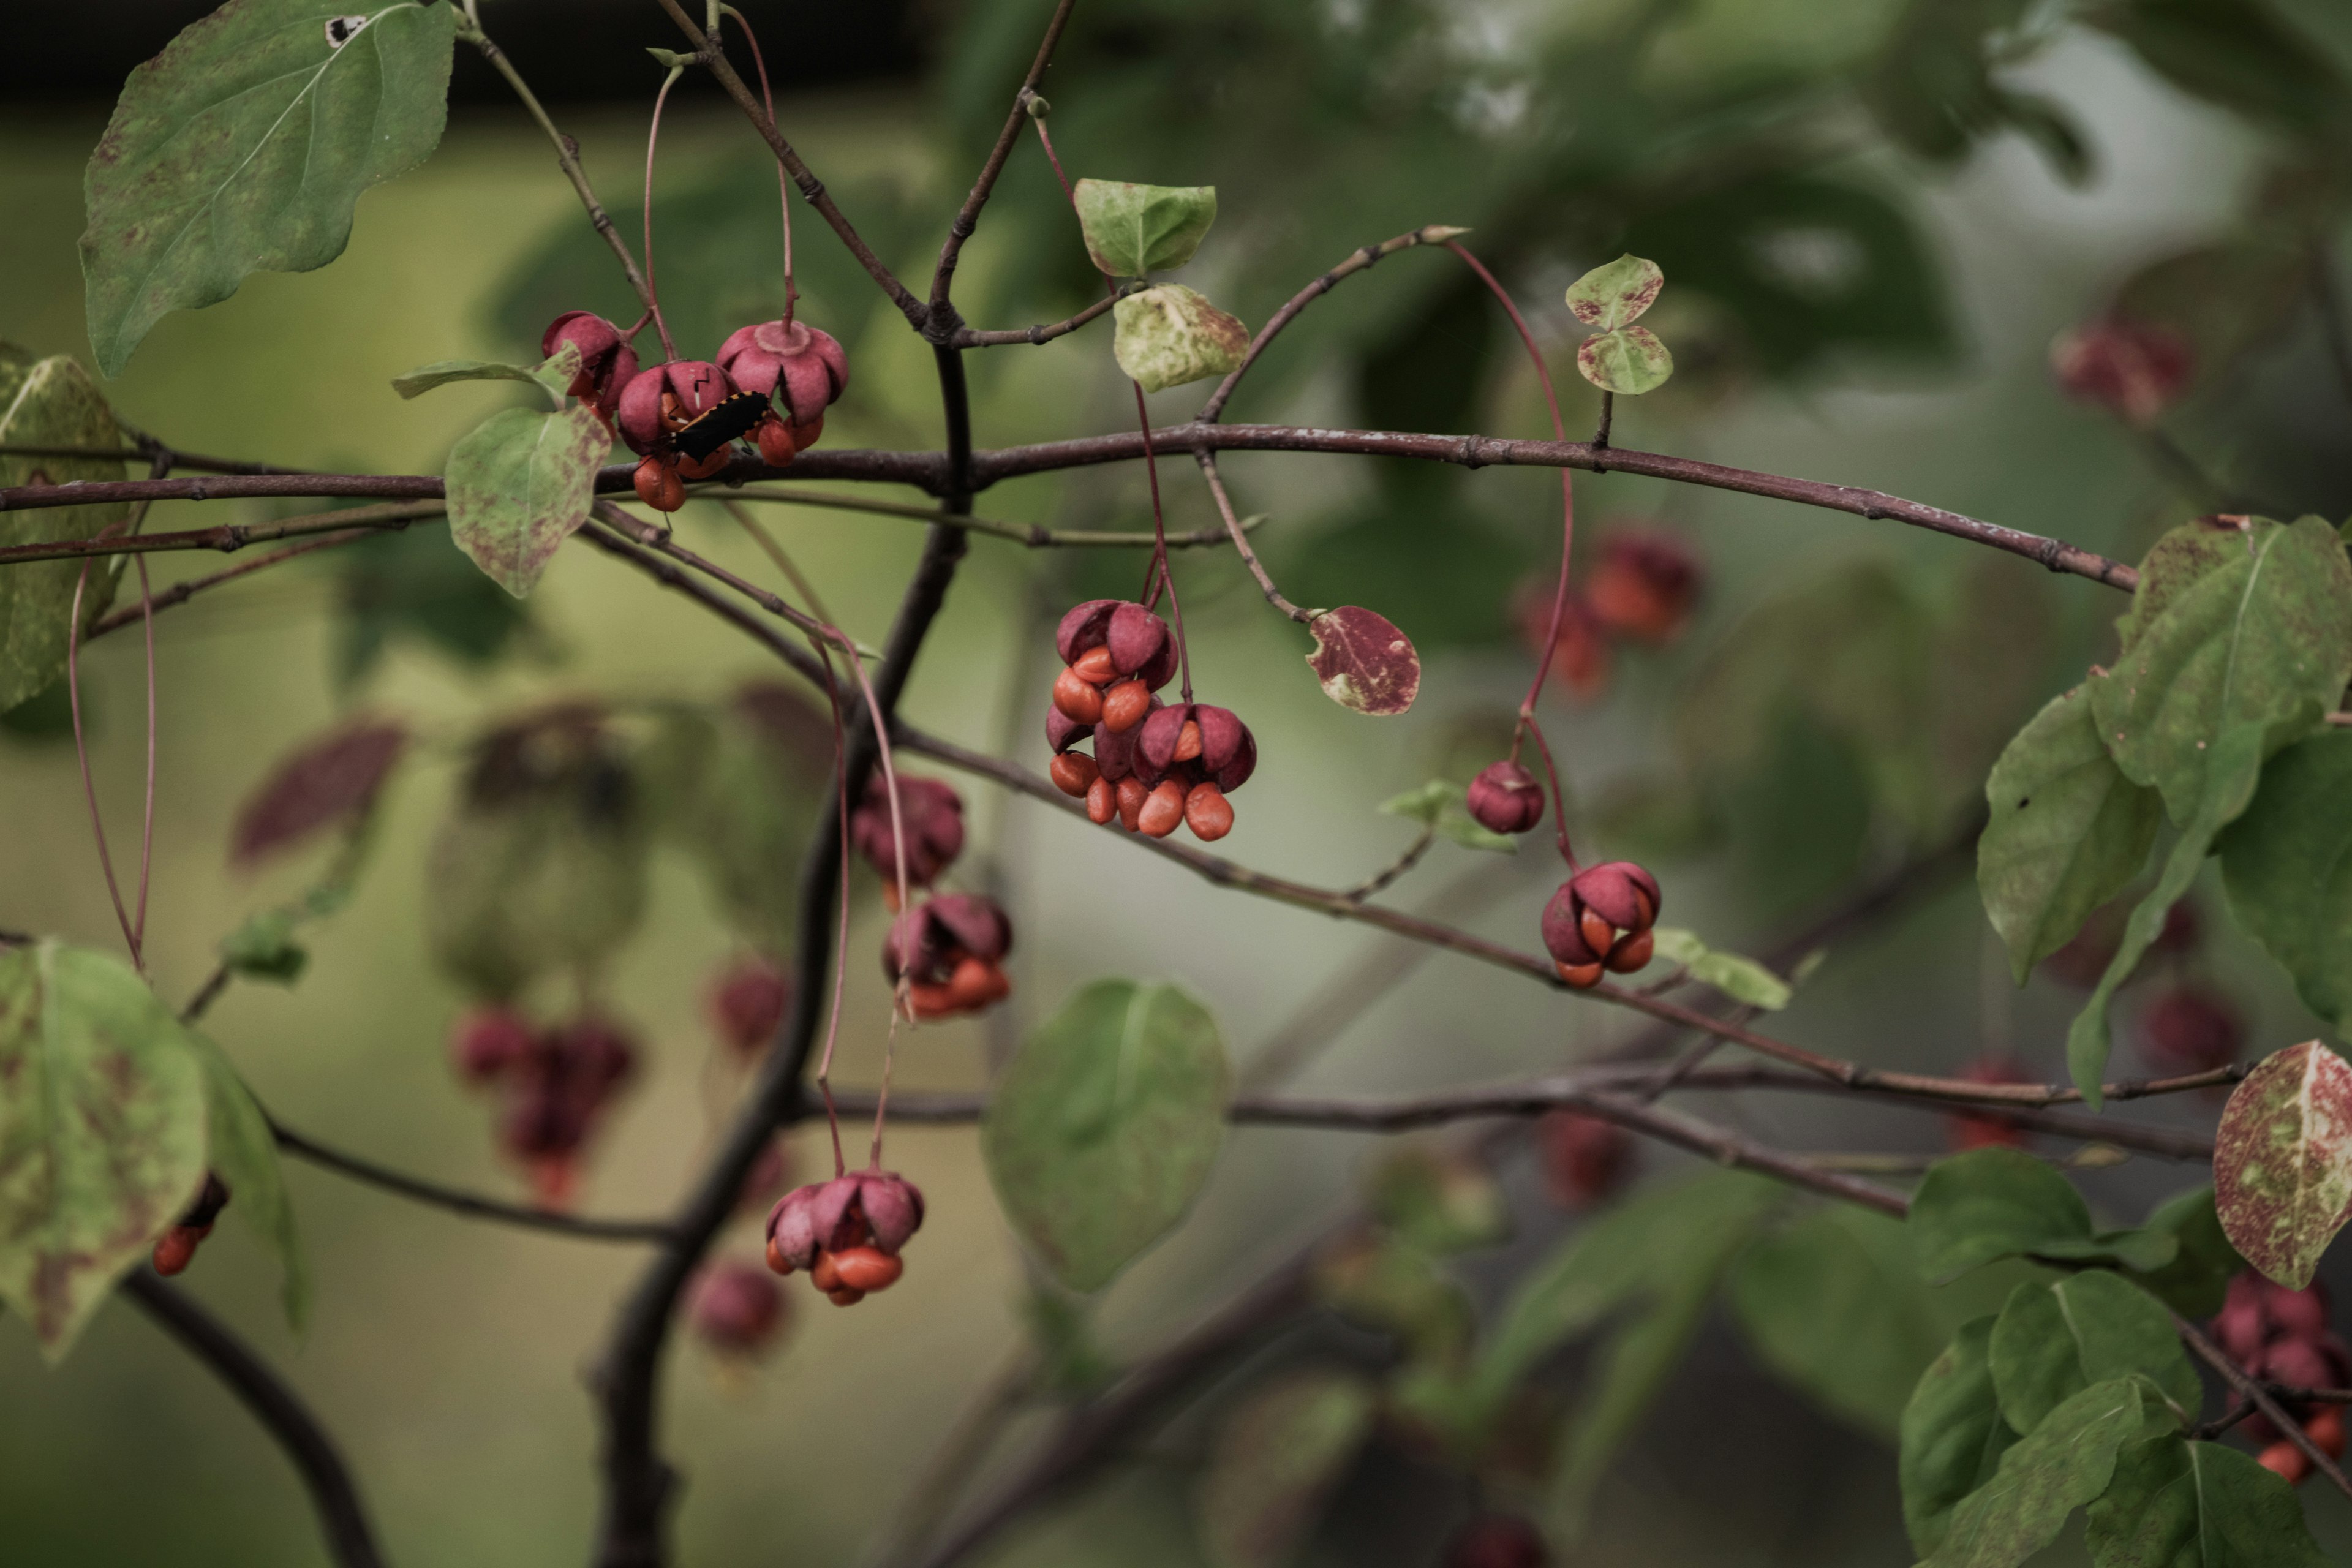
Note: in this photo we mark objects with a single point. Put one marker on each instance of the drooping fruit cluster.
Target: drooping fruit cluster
(736, 1309)
(2278, 1335)
(1154, 768)
(1600, 920)
(1585, 1159)
(1506, 798)
(1642, 590)
(1980, 1131)
(845, 1232)
(176, 1248)
(656, 407)
(931, 815)
(748, 997)
(952, 949)
(800, 369)
(555, 1085)
(1498, 1541)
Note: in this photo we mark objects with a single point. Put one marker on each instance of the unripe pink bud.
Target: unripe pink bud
(1506, 798)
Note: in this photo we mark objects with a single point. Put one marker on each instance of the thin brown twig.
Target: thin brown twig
(1239, 532)
(1035, 536)
(973, 338)
(2255, 1395)
(457, 1200)
(966, 217)
(181, 593)
(176, 459)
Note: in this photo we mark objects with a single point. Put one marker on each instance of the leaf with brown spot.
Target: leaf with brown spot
(102, 1132)
(49, 403)
(2282, 1161)
(325, 783)
(1363, 661)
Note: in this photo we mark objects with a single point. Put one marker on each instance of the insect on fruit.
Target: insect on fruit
(723, 422)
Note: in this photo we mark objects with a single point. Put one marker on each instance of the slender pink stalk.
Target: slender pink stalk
(81, 755)
(653, 294)
(783, 187)
(147, 817)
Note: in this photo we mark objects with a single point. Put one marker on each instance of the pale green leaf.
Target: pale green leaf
(1166, 336)
(1105, 1124)
(1741, 979)
(50, 403)
(244, 147)
(1629, 361)
(553, 375)
(520, 483)
(1615, 293)
(1134, 230)
(243, 1152)
(1439, 804)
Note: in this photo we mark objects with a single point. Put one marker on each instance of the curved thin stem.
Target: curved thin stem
(89, 788)
(457, 1200)
(1239, 532)
(653, 289)
(147, 809)
(784, 182)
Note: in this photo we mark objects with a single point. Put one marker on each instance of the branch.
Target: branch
(2253, 1393)
(1030, 534)
(707, 51)
(967, 219)
(1240, 531)
(181, 593)
(228, 538)
(973, 338)
(936, 472)
(173, 456)
(351, 1541)
(674, 577)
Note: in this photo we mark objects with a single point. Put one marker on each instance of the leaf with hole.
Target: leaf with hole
(1105, 1124)
(103, 1113)
(2282, 1161)
(1167, 336)
(50, 403)
(1134, 230)
(2056, 1338)
(1615, 293)
(2067, 832)
(1276, 1461)
(1363, 661)
(1742, 979)
(520, 483)
(1629, 361)
(244, 147)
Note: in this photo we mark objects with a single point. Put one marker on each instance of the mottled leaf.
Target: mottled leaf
(1990, 1203)
(322, 785)
(2064, 1463)
(2056, 1338)
(1103, 1126)
(2175, 1503)
(1277, 1460)
(102, 1132)
(1615, 293)
(1741, 979)
(553, 375)
(2287, 864)
(1134, 230)
(1169, 335)
(1952, 1435)
(1363, 661)
(243, 1152)
(519, 484)
(244, 147)
(1439, 804)
(2067, 832)
(49, 403)
(2282, 1161)
(1631, 361)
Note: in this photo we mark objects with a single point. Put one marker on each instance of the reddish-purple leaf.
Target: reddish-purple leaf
(2283, 1161)
(325, 783)
(1363, 661)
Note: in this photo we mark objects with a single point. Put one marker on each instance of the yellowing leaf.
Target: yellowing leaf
(1169, 335)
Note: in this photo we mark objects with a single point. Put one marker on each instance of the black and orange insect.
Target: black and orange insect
(719, 423)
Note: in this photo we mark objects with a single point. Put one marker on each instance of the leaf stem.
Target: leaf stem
(653, 289)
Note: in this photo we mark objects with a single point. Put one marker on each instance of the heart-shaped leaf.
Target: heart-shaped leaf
(1103, 1126)
(1363, 661)
(553, 375)
(2067, 831)
(2282, 1161)
(102, 1132)
(520, 483)
(1629, 361)
(1615, 293)
(49, 403)
(1169, 335)
(244, 147)
(1134, 230)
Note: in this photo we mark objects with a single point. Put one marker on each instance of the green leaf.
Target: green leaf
(553, 375)
(1166, 336)
(2287, 864)
(2064, 1463)
(2067, 832)
(244, 147)
(263, 947)
(102, 1132)
(1833, 1304)
(1615, 293)
(2282, 1161)
(1393, 1287)
(1134, 230)
(1990, 1203)
(2227, 629)
(2174, 1503)
(49, 403)
(1631, 361)
(1103, 1126)
(519, 484)
(1952, 1435)
(1439, 1203)
(2194, 1283)
(1741, 979)
(741, 796)
(1439, 804)
(1276, 1462)
(2235, 764)
(2056, 1338)
(243, 1152)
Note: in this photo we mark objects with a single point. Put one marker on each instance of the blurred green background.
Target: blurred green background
(1867, 259)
